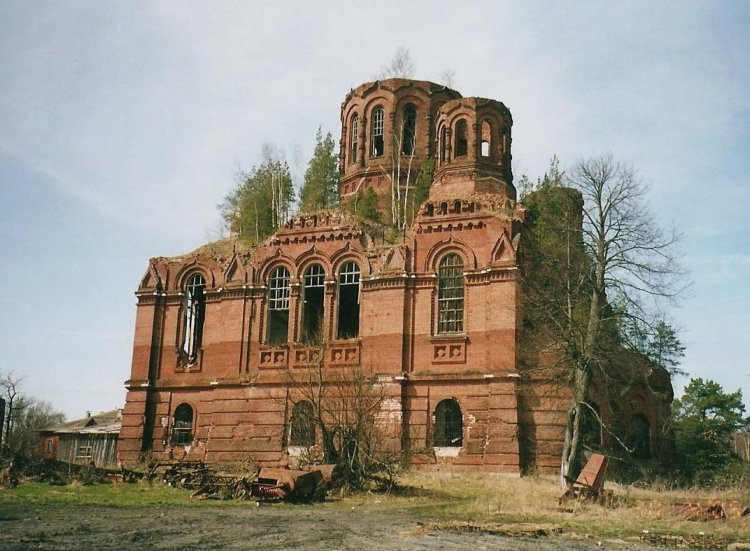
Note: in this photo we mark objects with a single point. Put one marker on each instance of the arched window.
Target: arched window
(639, 436)
(378, 129)
(193, 317)
(312, 306)
(451, 294)
(302, 430)
(449, 426)
(591, 426)
(182, 425)
(409, 129)
(348, 318)
(354, 139)
(443, 133)
(462, 141)
(278, 306)
(486, 138)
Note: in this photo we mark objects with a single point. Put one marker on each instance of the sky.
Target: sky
(123, 124)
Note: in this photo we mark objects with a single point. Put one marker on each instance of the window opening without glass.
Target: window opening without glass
(279, 290)
(448, 424)
(182, 426)
(195, 311)
(409, 133)
(348, 311)
(312, 307)
(302, 430)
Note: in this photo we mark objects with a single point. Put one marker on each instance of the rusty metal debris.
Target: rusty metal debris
(589, 483)
(266, 484)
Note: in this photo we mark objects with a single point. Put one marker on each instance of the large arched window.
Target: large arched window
(639, 436)
(451, 294)
(348, 318)
(182, 425)
(461, 138)
(486, 139)
(312, 307)
(378, 131)
(278, 306)
(409, 129)
(194, 315)
(354, 139)
(449, 426)
(591, 426)
(302, 430)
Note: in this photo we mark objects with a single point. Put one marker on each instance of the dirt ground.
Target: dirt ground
(267, 526)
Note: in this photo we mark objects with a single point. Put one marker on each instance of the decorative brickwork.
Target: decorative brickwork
(436, 315)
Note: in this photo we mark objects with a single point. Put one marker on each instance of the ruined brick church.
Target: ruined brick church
(437, 315)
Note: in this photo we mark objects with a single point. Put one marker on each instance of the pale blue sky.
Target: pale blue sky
(122, 125)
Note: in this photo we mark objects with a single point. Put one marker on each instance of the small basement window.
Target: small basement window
(182, 426)
(279, 290)
(302, 430)
(449, 427)
(348, 314)
(312, 307)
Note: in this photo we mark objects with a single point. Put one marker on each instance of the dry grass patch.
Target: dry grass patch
(498, 498)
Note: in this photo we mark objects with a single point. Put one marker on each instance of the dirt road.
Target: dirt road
(267, 527)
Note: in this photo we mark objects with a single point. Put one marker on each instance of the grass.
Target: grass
(441, 497)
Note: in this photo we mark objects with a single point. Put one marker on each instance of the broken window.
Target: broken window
(278, 306)
(312, 307)
(462, 142)
(84, 452)
(378, 122)
(348, 318)
(451, 294)
(449, 428)
(409, 129)
(195, 311)
(639, 437)
(442, 143)
(591, 426)
(486, 138)
(182, 426)
(354, 138)
(48, 445)
(302, 430)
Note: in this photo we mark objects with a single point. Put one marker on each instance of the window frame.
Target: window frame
(409, 117)
(448, 429)
(451, 300)
(377, 131)
(183, 432)
(279, 300)
(194, 317)
(354, 138)
(348, 277)
(315, 281)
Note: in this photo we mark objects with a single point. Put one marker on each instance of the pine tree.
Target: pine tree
(320, 189)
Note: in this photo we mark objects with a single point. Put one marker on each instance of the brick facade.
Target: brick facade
(439, 311)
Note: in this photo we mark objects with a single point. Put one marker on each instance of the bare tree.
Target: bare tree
(448, 78)
(10, 386)
(343, 405)
(596, 266)
(401, 66)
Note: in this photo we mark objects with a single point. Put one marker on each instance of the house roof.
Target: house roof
(106, 421)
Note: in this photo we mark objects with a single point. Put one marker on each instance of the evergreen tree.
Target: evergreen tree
(259, 205)
(704, 420)
(422, 185)
(320, 189)
(367, 206)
